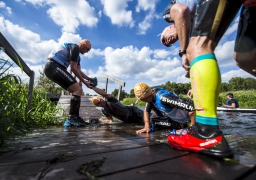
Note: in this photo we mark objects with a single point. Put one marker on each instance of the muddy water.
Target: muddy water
(243, 124)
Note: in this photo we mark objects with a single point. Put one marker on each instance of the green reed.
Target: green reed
(15, 121)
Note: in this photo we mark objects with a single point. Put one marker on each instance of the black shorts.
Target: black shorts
(213, 17)
(58, 74)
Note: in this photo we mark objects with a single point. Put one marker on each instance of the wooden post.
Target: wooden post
(119, 92)
(106, 87)
(121, 84)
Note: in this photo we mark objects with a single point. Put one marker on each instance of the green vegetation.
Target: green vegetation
(246, 99)
(15, 119)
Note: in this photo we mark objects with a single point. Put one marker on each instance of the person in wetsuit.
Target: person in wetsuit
(176, 108)
(211, 20)
(111, 107)
(55, 69)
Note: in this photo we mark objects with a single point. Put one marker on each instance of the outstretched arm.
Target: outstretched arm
(102, 93)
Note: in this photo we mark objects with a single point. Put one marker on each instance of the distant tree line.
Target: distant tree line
(234, 84)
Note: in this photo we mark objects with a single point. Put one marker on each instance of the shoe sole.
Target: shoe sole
(220, 154)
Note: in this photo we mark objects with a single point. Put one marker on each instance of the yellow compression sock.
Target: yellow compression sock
(205, 81)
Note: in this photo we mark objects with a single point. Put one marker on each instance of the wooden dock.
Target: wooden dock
(119, 153)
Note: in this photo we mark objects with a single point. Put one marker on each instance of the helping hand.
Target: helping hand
(89, 85)
(93, 81)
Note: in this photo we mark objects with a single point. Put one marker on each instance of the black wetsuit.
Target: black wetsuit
(116, 109)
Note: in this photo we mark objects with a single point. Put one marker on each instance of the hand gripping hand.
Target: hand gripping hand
(93, 81)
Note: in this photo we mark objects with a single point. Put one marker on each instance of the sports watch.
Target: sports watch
(181, 53)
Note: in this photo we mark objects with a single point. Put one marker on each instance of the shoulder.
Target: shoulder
(74, 46)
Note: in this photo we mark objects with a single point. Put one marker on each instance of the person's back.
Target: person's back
(162, 99)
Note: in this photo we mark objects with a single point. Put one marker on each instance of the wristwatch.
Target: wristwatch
(181, 53)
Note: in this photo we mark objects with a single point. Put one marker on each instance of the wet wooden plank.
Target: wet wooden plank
(151, 162)
(251, 176)
(95, 141)
(116, 161)
(192, 166)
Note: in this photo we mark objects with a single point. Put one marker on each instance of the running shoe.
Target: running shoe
(77, 121)
(66, 123)
(203, 139)
(93, 81)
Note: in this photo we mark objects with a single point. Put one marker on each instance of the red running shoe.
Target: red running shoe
(203, 139)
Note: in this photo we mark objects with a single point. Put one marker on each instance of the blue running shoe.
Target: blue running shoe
(77, 121)
(66, 123)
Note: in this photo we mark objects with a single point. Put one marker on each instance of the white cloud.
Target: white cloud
(224, 54)
(146, 5)
(149, 6)
(235, 73)
(8, 9)
(162, 53)
(117, 12)
(29, 46)
(94, 52)
(2, 4)
(69, 14)
(146, 23)
(130, 62)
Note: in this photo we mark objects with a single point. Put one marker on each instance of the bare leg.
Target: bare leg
(75, 89)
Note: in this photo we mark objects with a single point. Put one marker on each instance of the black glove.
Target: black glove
(93, 81)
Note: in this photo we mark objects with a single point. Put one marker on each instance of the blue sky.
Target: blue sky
(123, 33)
